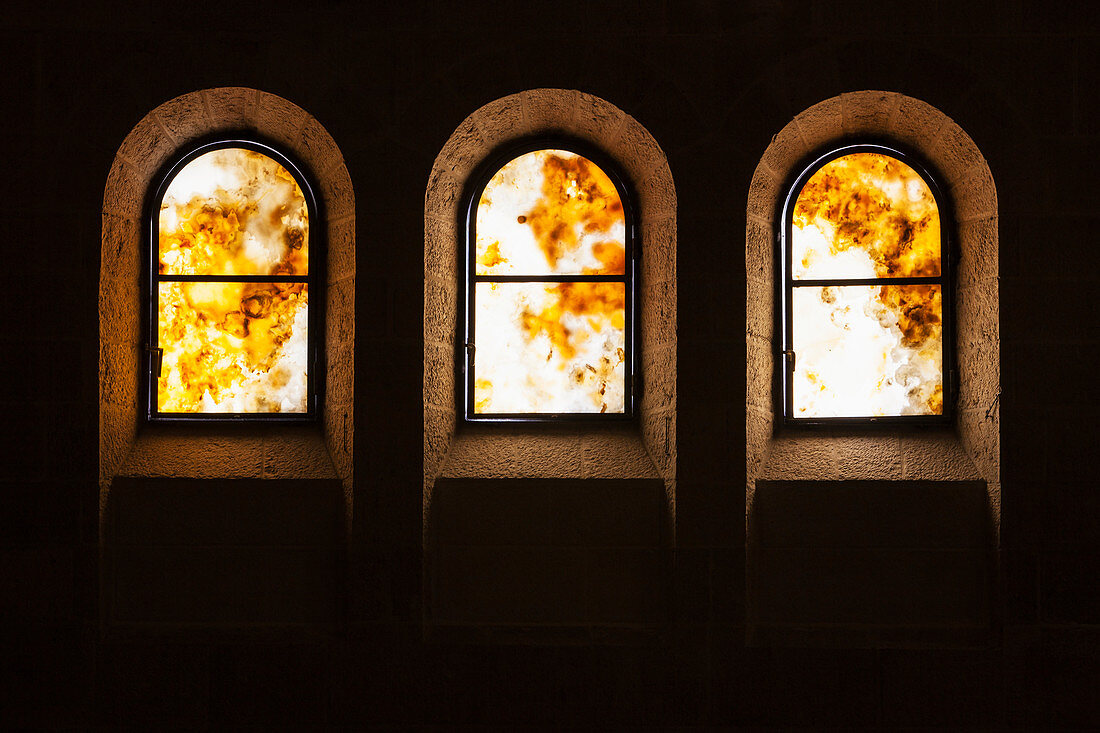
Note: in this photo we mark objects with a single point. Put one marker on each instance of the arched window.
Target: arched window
(234, 243)
(550, 286)
(867, 291)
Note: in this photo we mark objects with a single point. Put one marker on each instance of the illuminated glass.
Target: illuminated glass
(549, 294)
(230, 312)
(864, 281)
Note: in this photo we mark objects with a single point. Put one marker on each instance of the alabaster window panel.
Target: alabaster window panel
(549, 288)
(233, 243)
(866, 290)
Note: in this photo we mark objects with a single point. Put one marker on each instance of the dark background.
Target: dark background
(712, 82)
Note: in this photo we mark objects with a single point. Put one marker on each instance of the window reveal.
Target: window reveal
(864, 290)
(230, 312)
(550, 291)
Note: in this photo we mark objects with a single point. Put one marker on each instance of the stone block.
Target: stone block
(463, 151)
(956, 156)
(147, 147)
(185, 117)
(124, 194)
(637, 151)
(441, 200)
(232, 107)
(120, 253)
(801, 458)
(975, 196)
(933, 457)
(763, 194)
(317, 149)
(868, 457)
(760, 372)
(439, 430)
(658, 251)
(786, 150)
(659, 372)
(916, 123)
(657, 194)
(195, 454)
(440, 247)
(544, 110)
(439, 375)
(821, 123)
(867, 112)
(440, 307)
(279, 119)
(297, 454)
(340, 313)
(118, 374)
(499, 119)
(597, 120)
(979, 249)
(658, 316)
(760, 253)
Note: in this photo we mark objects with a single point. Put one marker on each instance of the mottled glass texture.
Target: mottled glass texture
(871, 350)
(232, 347)
(550, 212)
(865, 215)
(550, 347)
(234, 212)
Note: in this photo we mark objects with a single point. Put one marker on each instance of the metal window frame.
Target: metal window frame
(785, 285)
(465, 345)
(314, 282)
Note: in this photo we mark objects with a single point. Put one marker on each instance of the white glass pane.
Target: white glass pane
(549, 347)
(868, 351)
(550, 212)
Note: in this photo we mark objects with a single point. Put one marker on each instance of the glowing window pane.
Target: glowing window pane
(233, 347)
(550, 347)
(865, 351)
(234, 211)
(865, 215)
(550, 212)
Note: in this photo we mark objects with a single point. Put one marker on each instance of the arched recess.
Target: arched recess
(644, 451)
(128, 448)
(969, 450)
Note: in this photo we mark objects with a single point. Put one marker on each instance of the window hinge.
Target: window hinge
(158, 355)
(789, 354)
(470, 348)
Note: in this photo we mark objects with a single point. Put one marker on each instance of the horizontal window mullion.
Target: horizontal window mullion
(233, 278)
(841, 282)
(551, 278)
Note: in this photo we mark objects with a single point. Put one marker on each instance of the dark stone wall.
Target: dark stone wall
(712, 82)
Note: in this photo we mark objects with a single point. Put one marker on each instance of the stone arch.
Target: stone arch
(126, 448)
(972, 449)
(553, 453)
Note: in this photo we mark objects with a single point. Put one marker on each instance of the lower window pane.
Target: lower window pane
(233, 347)
(867, 351)
(549, 347)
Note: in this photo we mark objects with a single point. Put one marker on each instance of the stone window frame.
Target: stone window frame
(475, 184)
(968, 449)
(130, 446)
(644, 447)
(317, 256)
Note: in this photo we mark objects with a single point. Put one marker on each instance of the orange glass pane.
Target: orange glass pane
(865, 215)
(550, 212)
(232, 347)
(549, 347)
(234, 212)
(868, 351)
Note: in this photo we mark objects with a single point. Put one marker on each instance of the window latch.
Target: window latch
(158, 355)
(789, 354)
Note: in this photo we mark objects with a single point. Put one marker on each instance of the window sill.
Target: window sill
(548, 451)
(230, 451)
(841, 454)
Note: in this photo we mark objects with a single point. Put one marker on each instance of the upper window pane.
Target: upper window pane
(865, 215)
(550, 212)
(234, 212)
